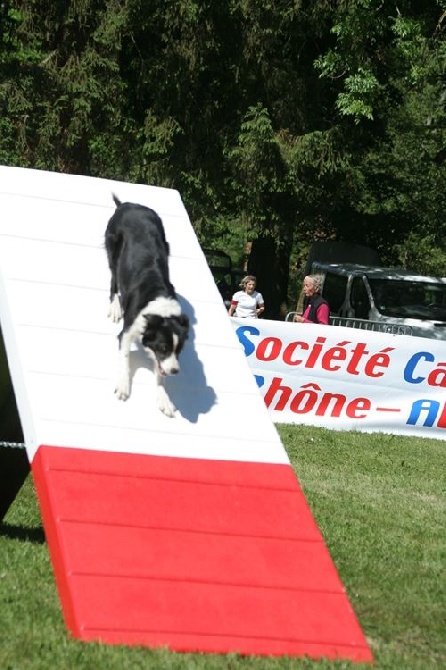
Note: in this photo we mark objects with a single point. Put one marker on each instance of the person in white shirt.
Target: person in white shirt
(247, 302)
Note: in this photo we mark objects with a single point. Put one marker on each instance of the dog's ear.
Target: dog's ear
(153, 322)
(182, 321)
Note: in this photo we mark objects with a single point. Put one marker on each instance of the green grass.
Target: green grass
(380, 502)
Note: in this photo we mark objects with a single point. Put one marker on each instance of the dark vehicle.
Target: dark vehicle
(340, 252)
(227, 278)
(387, 295)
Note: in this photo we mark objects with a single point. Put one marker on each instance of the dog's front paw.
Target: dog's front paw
(165, 404)
(122, 390)
(115, 310)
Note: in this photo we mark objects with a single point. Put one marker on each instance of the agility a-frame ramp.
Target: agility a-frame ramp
(192, 532)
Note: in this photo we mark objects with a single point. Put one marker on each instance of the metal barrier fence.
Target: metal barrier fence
(364, 324)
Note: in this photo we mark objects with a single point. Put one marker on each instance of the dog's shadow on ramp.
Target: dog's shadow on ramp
(188, 390)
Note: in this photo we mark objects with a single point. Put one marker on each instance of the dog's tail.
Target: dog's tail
(116, 199)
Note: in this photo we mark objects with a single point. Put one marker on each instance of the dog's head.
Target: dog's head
(164, 338)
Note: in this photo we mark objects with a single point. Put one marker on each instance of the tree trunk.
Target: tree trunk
(270, 266)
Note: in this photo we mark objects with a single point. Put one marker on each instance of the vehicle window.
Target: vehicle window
(334, 291)
(359, 299)
(218, 259)
(223, 281)
(409, 299)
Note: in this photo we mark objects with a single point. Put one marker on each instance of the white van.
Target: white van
(386, 295)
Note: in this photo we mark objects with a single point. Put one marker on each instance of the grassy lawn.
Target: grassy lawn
(380, 502)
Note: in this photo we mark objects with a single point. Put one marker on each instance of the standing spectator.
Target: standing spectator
(316, 308)
(247, 302)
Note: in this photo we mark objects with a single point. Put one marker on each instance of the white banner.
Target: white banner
(347, 379)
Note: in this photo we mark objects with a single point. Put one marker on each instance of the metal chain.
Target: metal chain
(12, 445)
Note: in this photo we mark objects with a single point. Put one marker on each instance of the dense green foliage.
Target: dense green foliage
(277, 122)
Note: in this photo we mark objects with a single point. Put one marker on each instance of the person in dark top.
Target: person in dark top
(316, 308)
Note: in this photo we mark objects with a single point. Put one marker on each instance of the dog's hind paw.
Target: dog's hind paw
(165, 404)
(115, 310)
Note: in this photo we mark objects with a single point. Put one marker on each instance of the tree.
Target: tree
(280, 123)
(390, 72)
(266, 198)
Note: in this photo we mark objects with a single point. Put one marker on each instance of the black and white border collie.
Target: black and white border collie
(141, 294)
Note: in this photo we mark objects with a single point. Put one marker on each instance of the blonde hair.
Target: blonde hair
(246, 280)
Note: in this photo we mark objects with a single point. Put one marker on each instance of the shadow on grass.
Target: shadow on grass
(34, 535)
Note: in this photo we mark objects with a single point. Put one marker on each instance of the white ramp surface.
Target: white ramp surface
(63, 349)
(188, 532)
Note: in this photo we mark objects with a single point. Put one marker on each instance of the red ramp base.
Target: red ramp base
(194, 555)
